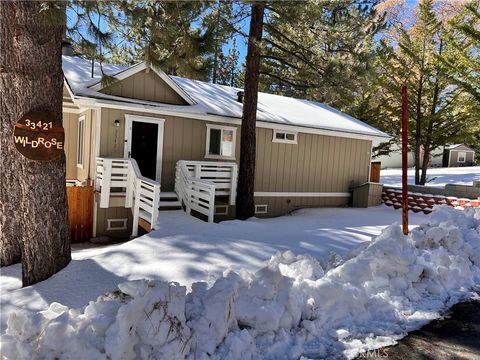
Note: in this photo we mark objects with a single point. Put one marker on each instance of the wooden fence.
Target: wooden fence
(80, 212)
(375, 171)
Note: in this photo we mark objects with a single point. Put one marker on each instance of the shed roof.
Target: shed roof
(460, 147)
(218, 100)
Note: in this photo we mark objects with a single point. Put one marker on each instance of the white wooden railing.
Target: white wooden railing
(198, 182)
(122, 177)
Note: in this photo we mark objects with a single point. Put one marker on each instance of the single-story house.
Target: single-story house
(149, 140)
(394, 159)
(458, 155)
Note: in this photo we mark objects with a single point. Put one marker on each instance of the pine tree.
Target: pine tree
(246, 175)
(221, 17)
(229, 70)
(33, 202)
(179, 37)
(320, 50)
(461, 61)
(439, 113)
(88, 30)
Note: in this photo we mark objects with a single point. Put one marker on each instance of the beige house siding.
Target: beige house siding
(92, 147)
(183, 139)
(278, 206)
(70, 122)
(103, 215)
(145, 86)
(83, 173)
(317, 163)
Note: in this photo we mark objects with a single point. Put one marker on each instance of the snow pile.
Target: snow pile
(144, 320)
(288, 309)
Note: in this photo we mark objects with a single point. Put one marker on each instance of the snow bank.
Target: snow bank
(143, 320)
(288, 309)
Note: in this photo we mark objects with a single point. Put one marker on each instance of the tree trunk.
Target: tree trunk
(246, 174)
(33, 196)
(425, 161)
(428, 135)
(418, 131)
(216, 50)
(418, 115)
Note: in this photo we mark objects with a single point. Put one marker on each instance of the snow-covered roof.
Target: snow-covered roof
(454, 146)
(220, 100)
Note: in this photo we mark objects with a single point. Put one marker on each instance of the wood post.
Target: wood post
(136, 208)
(107, 174)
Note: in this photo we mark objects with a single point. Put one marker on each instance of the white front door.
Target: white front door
(144, 143)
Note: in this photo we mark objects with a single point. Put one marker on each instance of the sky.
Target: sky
(240, 40)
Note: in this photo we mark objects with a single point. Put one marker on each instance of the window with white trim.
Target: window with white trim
(286, 137)
(220, 142)
(461, 156)
(81, 142)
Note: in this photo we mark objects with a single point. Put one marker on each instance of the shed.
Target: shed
(458, 155)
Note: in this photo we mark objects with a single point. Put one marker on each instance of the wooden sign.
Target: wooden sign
(37, 137)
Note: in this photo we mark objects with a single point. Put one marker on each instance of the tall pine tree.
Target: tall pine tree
(320, 50)
(246, 174)
(33, 203)
(179, 37)
(439, 113)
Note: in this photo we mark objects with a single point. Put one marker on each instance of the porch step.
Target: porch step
(174, 203)
(169, 201)
(166, 195)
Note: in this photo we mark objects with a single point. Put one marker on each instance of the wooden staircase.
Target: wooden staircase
(169, 201)
(119, 182)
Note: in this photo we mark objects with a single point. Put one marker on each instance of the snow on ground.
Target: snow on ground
(186, 250)
(438, 177)
(292, 307)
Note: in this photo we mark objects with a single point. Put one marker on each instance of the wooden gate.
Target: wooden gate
(80, 212)
(375, 171)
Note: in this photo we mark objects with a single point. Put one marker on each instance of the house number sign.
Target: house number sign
(37, 137)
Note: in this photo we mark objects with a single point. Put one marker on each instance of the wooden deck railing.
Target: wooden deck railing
(122, 176)
(198, 182)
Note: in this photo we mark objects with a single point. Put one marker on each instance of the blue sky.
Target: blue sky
(241, 42)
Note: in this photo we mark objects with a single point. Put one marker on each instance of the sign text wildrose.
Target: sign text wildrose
(37, 137)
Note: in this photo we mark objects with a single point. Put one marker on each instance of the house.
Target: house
(394, 159)
(458, 155)
(185, 135)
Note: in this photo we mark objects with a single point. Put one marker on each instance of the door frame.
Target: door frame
(129, 119)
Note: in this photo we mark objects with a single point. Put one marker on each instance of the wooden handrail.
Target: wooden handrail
(198, 182)
(141, 194)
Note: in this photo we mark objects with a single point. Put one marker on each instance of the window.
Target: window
(286, 137)
(461, 156)
(81, 142)
(220, 142)
(261, 209)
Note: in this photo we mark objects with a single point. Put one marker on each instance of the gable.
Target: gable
(145, 85)
(67, 98)
(461, 148)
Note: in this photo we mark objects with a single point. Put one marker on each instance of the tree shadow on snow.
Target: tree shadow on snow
(74, 286)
